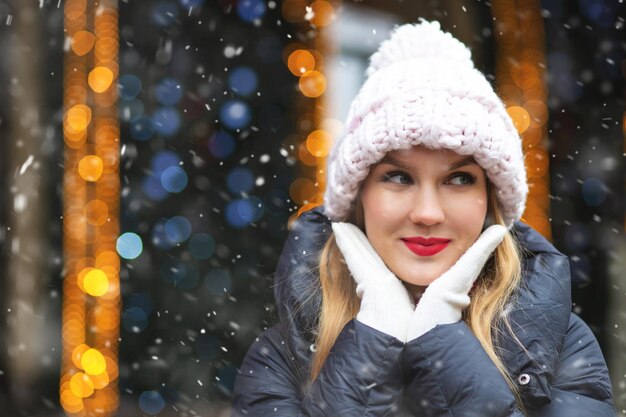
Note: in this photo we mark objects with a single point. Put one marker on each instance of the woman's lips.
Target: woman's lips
(425, 250)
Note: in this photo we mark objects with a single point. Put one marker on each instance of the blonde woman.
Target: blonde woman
(415, 290)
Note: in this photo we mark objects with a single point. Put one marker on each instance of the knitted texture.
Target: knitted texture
(422, 89)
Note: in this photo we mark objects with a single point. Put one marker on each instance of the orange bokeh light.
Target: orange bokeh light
(319, 143)
(82, 42)
(100, 79)
(90, 168)
(312, 84)
(300, 62)
(521, 118)
(323, 13)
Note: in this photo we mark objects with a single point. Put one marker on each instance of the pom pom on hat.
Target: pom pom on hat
(422, 89)
(420, 42)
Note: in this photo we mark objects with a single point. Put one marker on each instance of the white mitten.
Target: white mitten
(385, 303)
(446, 297)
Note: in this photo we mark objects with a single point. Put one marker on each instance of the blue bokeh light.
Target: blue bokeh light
(243, 81)
(239, 213)
(134, 320)
(130, 109)
(218, 281)
(221, 145)
(151, 402)
(594, 192)
(182, 275)
(129, 246)
(164, 13)
(235, 114)
(191, 3)
(129, 86)
(160, 238)
(152, 188)
(163, 160)
(240, 179)
(178, 229)
(201, 246)
(140, 300)
(141, 128)
(174, 179)
(249, 10)
(168, 92)
(166, 121)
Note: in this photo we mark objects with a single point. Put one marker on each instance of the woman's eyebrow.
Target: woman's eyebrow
(388, 159)
(465, 161)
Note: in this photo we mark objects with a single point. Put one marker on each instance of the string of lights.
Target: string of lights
(91, 293)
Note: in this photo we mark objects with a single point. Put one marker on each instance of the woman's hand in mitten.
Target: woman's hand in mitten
(385, 303)
(446, 297)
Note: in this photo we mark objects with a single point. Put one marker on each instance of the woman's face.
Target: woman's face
(420, 192)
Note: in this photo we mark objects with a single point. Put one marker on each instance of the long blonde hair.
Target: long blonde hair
(494, 287)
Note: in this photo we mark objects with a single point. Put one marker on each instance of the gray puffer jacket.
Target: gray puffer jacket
(560, 369)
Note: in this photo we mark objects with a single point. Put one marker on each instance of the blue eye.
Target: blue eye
(397, 178)
(467, 179)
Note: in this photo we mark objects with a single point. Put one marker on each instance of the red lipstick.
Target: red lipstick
(426, 246)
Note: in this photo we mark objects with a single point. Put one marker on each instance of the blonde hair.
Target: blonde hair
(494, 288)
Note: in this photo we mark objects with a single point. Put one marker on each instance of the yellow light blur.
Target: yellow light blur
(100, 381)
(78, 117)
(318, 143)
(96, 283)
(323, 13)
(81, 385)
(300, 62)
(312, 84)
(520, 116)
(82, 42)
(93, 362)
(100, 79)
(90, 168)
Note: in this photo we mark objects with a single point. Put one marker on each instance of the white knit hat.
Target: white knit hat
(422, 89)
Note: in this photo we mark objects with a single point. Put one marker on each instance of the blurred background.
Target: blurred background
(154, 153)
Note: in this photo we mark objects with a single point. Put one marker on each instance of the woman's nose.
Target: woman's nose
(426, 208)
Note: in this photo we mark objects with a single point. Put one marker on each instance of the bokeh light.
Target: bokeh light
(235, 114)
(312, 84)
(201, 246)
(82, 42)
(318, 143)
(243, 81)
(178, 229)
(300, 62)
(141, 128)
(90, 168)
(151, 402)
(594, 192)
(174, 179)
(221, 144)
(164, 13)
(134, 320)
(81, 385)
(323, 13)
(152, 188)
(78, 117)
(249, 10)
(129, 246)
(168, 92)
(100, 79)
(129, 86)
(166, 121)
(96, 282)
(183, 275)
(521, 118)
(92, 361)
(240, 180)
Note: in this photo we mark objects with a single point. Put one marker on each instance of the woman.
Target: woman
(415, 290)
